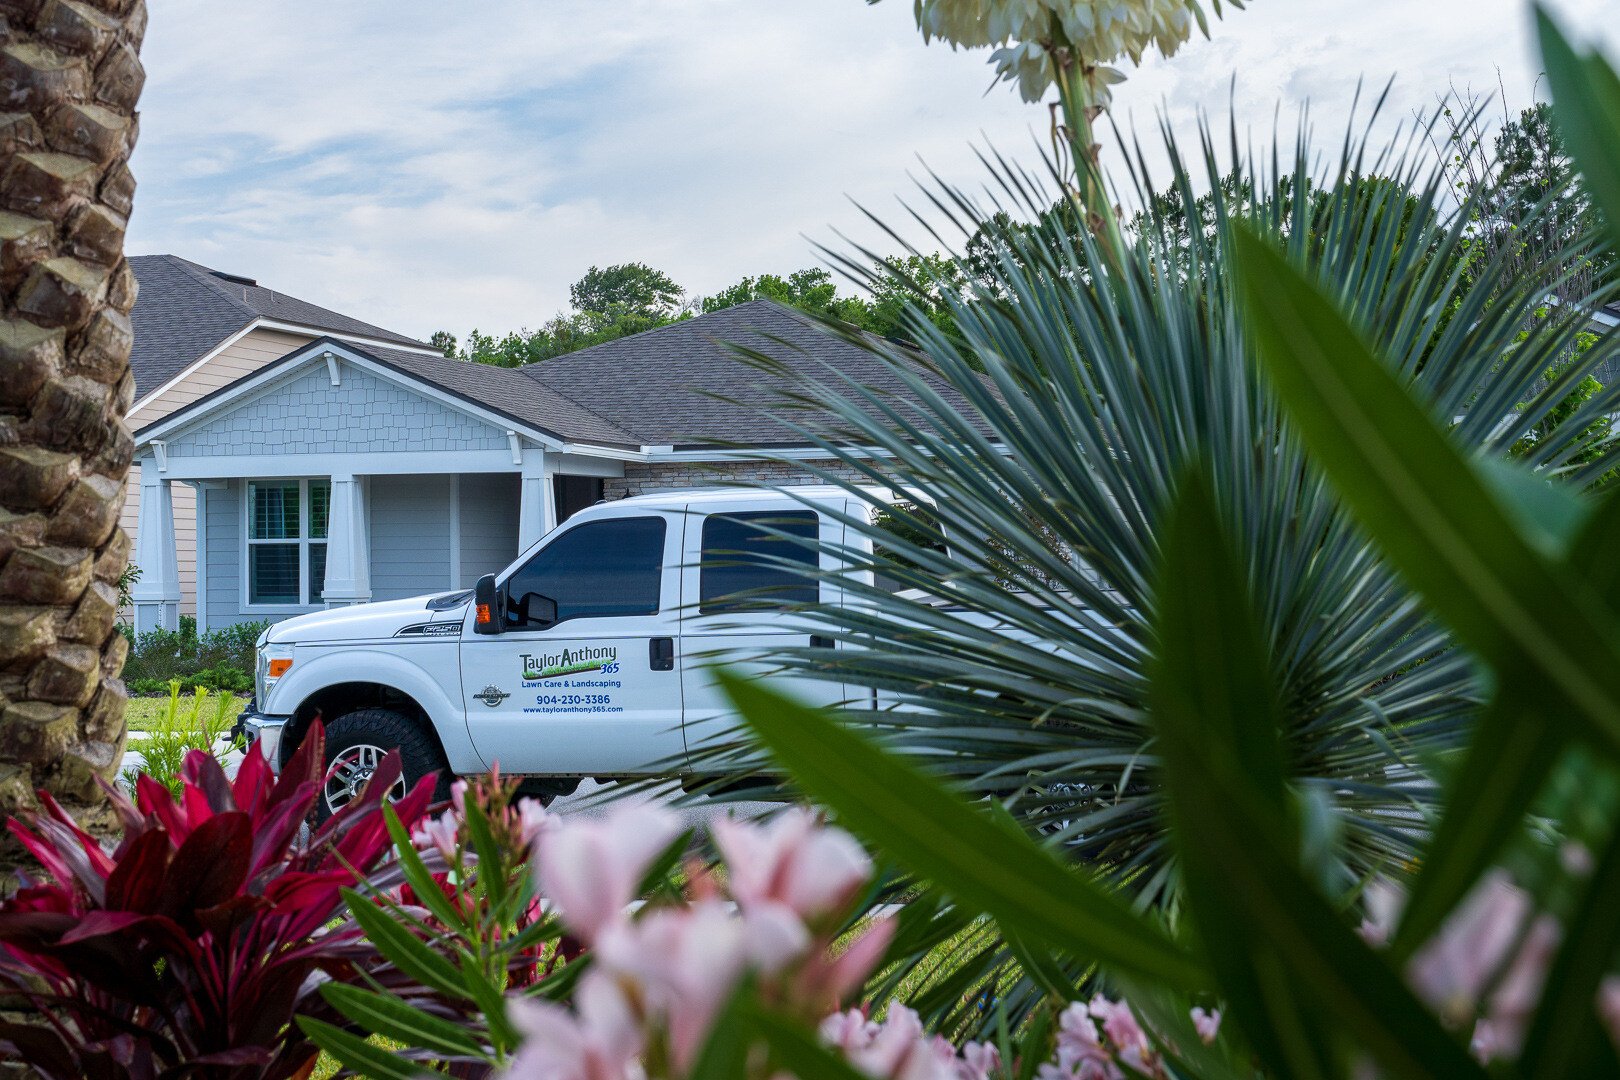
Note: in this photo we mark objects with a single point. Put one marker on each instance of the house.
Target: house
(355, 467)
(196, 330)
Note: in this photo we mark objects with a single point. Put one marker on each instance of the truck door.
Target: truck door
(736, 593)
(593, 687)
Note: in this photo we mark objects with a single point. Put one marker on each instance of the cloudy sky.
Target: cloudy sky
(428, 165)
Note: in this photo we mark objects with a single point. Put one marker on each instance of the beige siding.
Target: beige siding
(243, 357)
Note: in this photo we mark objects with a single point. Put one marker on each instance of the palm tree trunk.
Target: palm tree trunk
(70, 75)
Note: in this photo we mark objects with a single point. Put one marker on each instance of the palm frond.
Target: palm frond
(1094, 376)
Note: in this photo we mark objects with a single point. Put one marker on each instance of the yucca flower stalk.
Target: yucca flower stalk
(1073, 45)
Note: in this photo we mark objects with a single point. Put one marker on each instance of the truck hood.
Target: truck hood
(369, 622)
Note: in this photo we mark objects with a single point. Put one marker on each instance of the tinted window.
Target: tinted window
(909, 524)
(743, 561)
(597, 570)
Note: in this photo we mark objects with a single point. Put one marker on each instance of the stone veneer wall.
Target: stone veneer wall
(640, 479)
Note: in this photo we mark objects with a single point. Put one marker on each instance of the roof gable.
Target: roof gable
(499, 397)
(184, 310)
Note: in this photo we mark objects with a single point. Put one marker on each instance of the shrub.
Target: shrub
(182, 727)
(190, 948)
(160, 655)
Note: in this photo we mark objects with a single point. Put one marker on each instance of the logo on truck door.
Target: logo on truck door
(492, 695)
(603, 658)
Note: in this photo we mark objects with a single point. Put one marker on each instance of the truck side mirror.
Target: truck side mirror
(537, 610)
(488, 617)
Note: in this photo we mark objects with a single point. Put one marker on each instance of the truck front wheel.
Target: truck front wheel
(355, 746)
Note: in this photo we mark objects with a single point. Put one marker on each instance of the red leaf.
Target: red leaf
(300, 889)
(137, 881)
(308, 762)
(195, 802)
(210, 867)
(202, 771)
(275, 831)
(101, 923)
(154, 799)
(252, 783)
(39, 849)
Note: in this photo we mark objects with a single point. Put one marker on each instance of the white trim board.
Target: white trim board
(370, 463)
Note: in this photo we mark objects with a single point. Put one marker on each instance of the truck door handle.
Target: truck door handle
(661, 654)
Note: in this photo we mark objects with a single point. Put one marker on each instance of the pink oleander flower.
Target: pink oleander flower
(848, 1031)
(532, 820)
(683, 963)
(1608, 1007)
(590, 869)
(441, 833)
(792, 860)
(1207, 1024)
(1518, 992)
(601, 1039)
(1450, 972)
(1130, 1042)
(901, 1050)
(1080, 1051)
(825, 981)
(979, 1061)
(1382, 900)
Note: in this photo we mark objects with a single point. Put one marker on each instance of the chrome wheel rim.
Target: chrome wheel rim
(346, 777)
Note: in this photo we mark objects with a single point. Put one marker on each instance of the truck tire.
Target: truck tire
(355, 745)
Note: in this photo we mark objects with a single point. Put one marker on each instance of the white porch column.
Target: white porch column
(157, 594)
(348, 545)
(537, 507)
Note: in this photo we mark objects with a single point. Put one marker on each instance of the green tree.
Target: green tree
(923, 281)
(606, 304)
(632, 291)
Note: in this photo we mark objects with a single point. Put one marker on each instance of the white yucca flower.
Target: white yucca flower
(1096, 32)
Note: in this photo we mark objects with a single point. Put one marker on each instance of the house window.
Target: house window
(286, 541)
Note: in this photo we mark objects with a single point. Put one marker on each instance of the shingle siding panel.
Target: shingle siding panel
(223, 538)
(308, 415)
(489, 524)
(410, 535)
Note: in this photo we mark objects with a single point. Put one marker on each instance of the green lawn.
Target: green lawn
(144, 711)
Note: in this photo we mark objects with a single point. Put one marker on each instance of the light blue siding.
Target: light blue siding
(308, 415)
(222, 528)
(410, 535)
(489, 524)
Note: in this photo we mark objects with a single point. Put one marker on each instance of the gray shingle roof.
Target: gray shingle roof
(184, 310)
(657, 384)
(506, 391)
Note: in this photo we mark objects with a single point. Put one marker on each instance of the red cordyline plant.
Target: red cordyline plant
(189, 948)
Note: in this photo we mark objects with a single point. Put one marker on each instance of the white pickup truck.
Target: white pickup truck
(587, 657)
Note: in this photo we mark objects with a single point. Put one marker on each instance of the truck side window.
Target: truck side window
(597, 570)
(742, 564)
(909, 523)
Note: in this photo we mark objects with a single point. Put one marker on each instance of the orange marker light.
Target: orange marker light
(280, 667)
(483, 614)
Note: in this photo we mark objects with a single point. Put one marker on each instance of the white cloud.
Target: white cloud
(424, 165)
